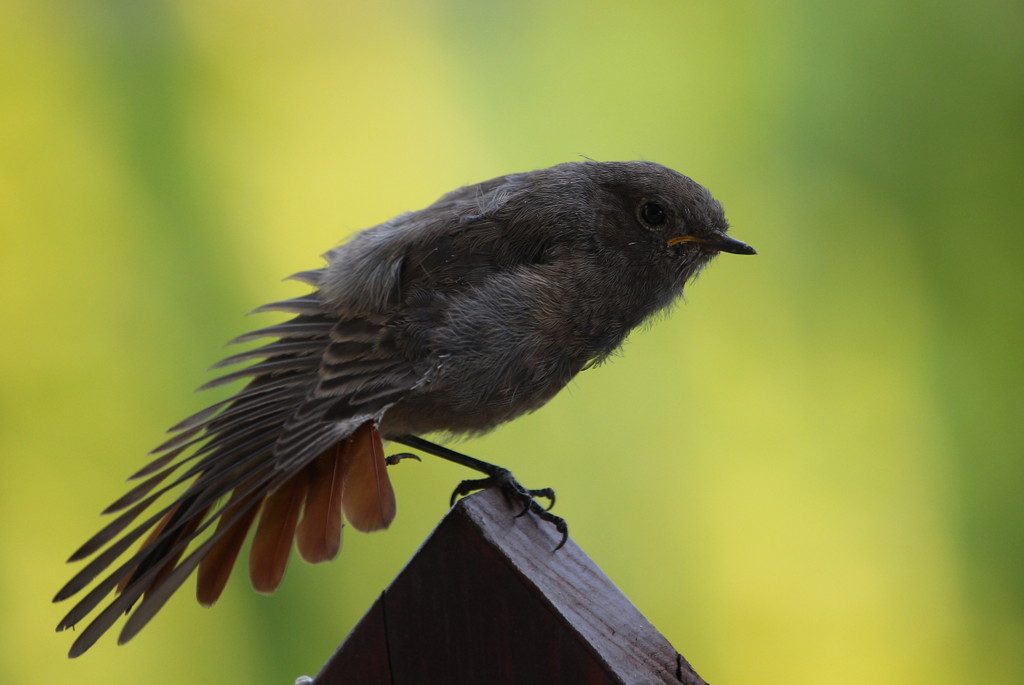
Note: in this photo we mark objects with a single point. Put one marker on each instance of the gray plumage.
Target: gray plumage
(451, 319)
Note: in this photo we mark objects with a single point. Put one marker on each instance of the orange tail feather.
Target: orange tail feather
(216, 566)
(272, 543)
(366, 493)
(319, 534)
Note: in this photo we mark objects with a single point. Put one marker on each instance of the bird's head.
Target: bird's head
(651, 208)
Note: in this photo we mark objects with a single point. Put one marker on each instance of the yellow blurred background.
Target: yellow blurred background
(809, 473)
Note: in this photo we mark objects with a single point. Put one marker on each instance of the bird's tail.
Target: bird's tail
(349, 478)
(234, 475)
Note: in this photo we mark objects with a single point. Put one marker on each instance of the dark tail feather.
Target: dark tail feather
(140, 490)
(150, 539)
(157, 595)
(162, 553)
(105, 535)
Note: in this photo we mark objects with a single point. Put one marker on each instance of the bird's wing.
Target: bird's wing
(298, 444)
(295, 447)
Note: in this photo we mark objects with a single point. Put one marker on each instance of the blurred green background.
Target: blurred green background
(809, 473)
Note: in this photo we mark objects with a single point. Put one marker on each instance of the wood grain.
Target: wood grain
(487, 600)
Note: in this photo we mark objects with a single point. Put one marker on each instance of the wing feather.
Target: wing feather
(291, 452)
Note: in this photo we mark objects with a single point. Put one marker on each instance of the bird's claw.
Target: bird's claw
(514, 492)
(395, 458)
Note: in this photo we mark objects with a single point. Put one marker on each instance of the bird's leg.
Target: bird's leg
(495, 476)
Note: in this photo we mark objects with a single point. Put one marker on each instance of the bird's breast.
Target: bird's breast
(509, 346)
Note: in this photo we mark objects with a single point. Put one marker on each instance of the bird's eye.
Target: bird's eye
(652, 214)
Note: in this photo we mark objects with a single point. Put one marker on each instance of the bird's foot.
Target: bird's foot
(497, 476)
(516, 494)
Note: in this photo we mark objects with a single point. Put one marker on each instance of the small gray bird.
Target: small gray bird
(452, 319)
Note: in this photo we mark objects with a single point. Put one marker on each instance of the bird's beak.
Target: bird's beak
(720, 242)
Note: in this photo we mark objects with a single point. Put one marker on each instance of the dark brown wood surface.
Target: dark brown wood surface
(486, 599)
